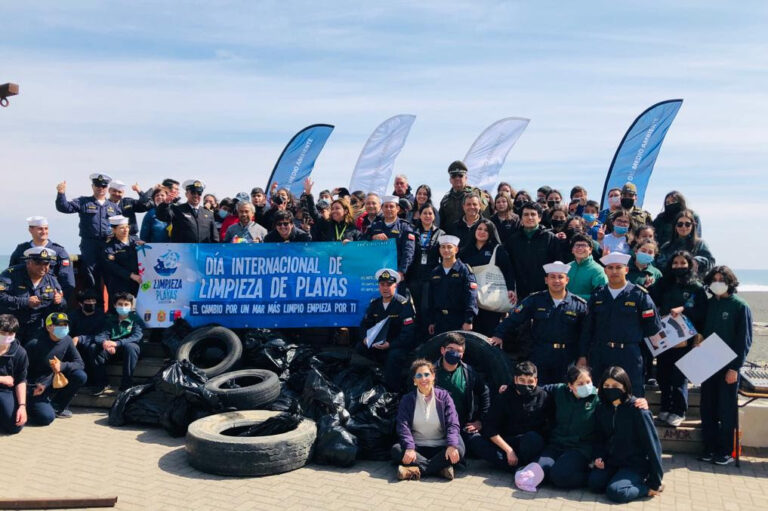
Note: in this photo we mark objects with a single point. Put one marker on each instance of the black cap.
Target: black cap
(256, 190)
(457, 167)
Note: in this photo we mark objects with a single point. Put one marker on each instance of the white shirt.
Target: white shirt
(427, 430)
(615, 292)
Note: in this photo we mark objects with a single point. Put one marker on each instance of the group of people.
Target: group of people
(559, 306)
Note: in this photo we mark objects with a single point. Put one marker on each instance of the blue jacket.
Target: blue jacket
(446, 411)
(153, 229)
(94, 217)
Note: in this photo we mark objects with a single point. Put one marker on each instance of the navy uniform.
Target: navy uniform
(188, 224)
(399, 331)
(120, 261)
(16, 288)
(61, 266)
(94, 227)
(129, 206)
(402, 232)
(452, 296)
(615, 328)
(556, 331)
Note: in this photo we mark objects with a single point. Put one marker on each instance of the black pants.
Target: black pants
(430, 460)
(98, 358)
(672, 383)
(565, 468)
(527, 446)
(718, 413)
(393, 360)
(8, 411)
(629, 358)
(619, 484)
(42, 409)
(486, 322)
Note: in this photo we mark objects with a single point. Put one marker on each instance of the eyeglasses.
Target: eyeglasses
(419, 376)
(684, 224)
(282, 224)
(581, 246)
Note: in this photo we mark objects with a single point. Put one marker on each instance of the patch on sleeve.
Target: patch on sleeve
(111, 257)
(408, 321)
(473, 285)
(518, 308)
(65, 262)
(2, 287)
(411, 237)
(648, 313)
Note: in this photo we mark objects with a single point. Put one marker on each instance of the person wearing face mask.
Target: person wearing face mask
(14, 365)
(94, 212)
(120, 260)
(50, 354)
(637, 215)
(585, 274)
(470, 394)
(617, 239)
(614, 205)
(190, 222)
(620, 316)
(728, 316)
(642, 272)
(678, 292)
(427, 427)
(554, 201)
(556, 317)
(86, 322)
(685, 237)
(517, 420)
(664, 223)
(61, 267)
(558, 217)
(121, 336)
(590, 215)
(521, 198)
(30, 292)
(627, 456)
(574, 226)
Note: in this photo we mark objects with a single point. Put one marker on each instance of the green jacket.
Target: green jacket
(585, 277)
(637, 276)
(575, 426)
(731, 319)
(129, 330)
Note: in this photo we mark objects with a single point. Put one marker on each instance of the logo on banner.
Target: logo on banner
(168, 263)
(161, 316)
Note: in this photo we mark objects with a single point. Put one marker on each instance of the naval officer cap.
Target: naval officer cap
(615, 258)
(194, 185)
(390, 198)
(447, 239)
(40, 254)
(116, 220)
(37, 221)
(100, 179)
(388, 275)
(556, 267)
(117, 185)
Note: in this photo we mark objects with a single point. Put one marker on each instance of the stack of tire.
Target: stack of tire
(209, 447)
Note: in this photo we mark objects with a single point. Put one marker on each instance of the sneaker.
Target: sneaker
(64, 414)
(663, 416)
(675, 420)
(447, 473)
(707, 458)
(408, 473)
(724, 460)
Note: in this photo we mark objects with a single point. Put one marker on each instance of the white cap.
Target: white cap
(447, 239)
(100, 176)
(40, 253)
(114, 221)
(193, 182)
(388, 274)
(557, 267)
(37, 221)
(615, 258)
(390, 198)
(117, 185)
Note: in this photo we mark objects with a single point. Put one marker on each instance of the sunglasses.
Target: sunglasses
(684, 224)
(419, 376)
(282, 224)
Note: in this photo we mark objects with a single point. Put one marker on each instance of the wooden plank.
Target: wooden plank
(65, 503)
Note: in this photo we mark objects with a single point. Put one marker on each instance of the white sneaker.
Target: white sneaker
(675, 420)
(663, 416)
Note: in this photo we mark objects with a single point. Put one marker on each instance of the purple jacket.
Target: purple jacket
(446, 411)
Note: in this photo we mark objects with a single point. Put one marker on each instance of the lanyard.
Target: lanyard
(339, 235)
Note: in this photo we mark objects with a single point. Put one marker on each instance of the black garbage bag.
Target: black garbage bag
(355, 381)
(148, 408)
(288, 401)
(182, 411)
(321, 398)
(335, 445)
(179, 377)
(330, 363)
(373, 423)
(276, 425)
(280, 358)
(117, 412)
(174, 335)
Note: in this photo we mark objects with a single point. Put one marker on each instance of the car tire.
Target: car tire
(232, 345)
(210, 451)
(257, 388)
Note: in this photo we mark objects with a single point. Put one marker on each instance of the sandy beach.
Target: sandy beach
(758, 302)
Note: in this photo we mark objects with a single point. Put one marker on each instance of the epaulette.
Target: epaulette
(401, 299)
(579, 299)
(537, 293)
(641, 288)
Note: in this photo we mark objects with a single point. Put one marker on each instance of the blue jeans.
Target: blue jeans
(42, 409)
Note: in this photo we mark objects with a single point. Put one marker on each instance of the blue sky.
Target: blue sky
(146, 90)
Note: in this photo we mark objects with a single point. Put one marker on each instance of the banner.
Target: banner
(260, 285)
(298, 158)
(377, 159)
(486, 156)
(638, 150)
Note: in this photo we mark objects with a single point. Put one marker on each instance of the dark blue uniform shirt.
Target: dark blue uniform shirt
(15, 290)
(401, 231)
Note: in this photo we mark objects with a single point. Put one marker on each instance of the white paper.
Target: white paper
(674, 331)
(708, 358)
(373, 332)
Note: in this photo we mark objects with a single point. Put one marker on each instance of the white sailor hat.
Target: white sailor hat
(615, 258)
(117, 185)
(556, 267)
(37, 221)
(99, 178)
(194, 184)
(388, 275)
(40, 254)
(116, 220)
(390, 198)
(447, 239)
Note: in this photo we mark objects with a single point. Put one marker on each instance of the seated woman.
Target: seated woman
(428, 427)
(627, 458)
